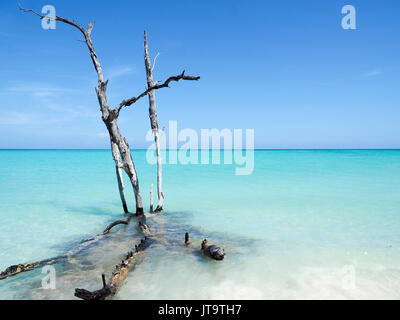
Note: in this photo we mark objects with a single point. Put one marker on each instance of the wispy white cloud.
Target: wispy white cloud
(40, 91)
(58, 114)
(120, 71)
(45, 98)
(76, 111)
(15, 118)
(102, 134)
(25, 119)
(374, 72)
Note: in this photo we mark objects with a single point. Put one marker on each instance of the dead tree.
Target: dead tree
(153, 119)
(154, 122)
(123, 161)
(119, 145)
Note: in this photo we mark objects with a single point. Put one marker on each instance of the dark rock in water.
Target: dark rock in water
(212, 251)
(217, 253)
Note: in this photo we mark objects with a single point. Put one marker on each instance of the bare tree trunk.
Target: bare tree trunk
(118, 166)
(154, 123)
(110, 117)
(127, 162)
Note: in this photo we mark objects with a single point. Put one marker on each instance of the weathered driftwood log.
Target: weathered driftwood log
(115, 223)
(95, 295)
(121, 270)
(24, 267)
(212, 251)
(18, 268)
(118, 276)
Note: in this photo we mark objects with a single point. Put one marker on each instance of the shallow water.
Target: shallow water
(305, 224)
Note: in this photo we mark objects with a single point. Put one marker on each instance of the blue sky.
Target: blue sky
(285, 68)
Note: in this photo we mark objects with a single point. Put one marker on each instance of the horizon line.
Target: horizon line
(143, 149)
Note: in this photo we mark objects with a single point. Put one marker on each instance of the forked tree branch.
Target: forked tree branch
(165, 84)
(86, 33)
(57, 18)
(102, 85)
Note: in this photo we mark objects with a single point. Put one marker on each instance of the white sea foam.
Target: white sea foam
(234, 291)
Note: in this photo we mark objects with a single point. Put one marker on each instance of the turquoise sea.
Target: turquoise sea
(305, 224)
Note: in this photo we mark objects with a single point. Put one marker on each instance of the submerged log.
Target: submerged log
(118, 276)
(212, 251)
(115, 223)
(95, 295)
(24, 267)
(121, 270)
